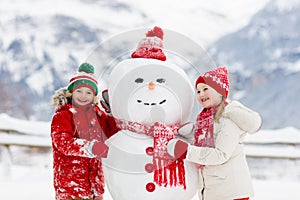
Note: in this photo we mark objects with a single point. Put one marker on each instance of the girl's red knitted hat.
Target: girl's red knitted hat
(217, 79)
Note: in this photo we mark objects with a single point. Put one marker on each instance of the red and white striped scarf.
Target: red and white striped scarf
(167, 170)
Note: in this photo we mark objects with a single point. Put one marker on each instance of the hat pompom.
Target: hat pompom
(87, 68)
(151, 46)
(156, 31)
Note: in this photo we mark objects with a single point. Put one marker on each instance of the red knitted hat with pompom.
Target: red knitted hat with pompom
(151, 46)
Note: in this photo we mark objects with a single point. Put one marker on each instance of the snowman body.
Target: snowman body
(146, 91)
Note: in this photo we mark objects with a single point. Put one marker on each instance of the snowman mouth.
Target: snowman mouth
(152, 103)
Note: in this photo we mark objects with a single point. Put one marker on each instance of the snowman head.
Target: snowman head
(148, 90)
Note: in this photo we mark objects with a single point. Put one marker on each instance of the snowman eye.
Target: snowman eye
(139, 80)
(161, 80)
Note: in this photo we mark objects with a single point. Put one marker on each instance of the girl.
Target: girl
(218, 147)
(78, 131)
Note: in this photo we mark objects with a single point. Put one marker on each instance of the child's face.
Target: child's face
(83, 96)
(207, 96)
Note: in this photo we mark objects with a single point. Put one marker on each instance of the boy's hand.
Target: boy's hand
(100, 150)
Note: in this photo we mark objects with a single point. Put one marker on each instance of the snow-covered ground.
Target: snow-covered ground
(27, 174)
(34, 183)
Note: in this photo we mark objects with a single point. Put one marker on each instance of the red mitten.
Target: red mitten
(100, 150)
(177, 148)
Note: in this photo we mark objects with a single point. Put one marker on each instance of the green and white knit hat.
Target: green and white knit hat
(84, 77)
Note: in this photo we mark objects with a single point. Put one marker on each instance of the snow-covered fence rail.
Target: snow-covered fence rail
(276, 144)
(22, 142)
(21, 139)
(24, 133)
(282, 151)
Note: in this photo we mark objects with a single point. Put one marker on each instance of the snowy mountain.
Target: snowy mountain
(43, 42)
(265, 58)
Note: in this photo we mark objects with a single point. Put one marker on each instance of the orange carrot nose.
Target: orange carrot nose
(151, 85)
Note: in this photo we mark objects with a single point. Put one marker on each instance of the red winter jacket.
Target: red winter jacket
(77, 174)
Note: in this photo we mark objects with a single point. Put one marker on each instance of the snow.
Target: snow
(294, 67)
(36, 184)
(33, 180)
(285, 135)
(283, 5)
(177, 16)
(24, 126)
(289, 152)
(225, 15)
(14, 139)
(43, 82)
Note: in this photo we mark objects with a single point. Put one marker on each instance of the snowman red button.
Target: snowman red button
(149, 167)
(149, 151)
(150, 187)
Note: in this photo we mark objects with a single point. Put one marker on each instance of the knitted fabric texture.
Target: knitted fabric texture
(167, 170)
(151, 46)
(204, 132)
(217, 79)
(84, 77)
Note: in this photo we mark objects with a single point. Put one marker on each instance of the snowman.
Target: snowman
(151, 101)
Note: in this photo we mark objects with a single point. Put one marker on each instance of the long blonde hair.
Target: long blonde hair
(220, 110)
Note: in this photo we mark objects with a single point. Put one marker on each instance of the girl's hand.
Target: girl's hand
(177, 148)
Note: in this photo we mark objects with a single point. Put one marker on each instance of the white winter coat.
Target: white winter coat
(226, 175)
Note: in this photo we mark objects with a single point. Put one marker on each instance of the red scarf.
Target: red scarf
(167, 170)
(204, 132)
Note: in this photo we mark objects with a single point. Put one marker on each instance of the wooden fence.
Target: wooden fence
(276, 150)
